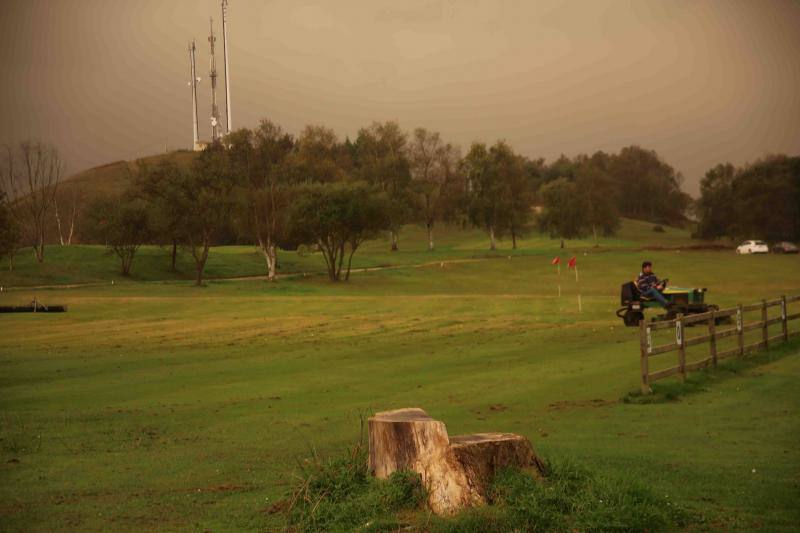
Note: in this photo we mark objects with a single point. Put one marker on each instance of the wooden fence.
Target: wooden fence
(712, 335)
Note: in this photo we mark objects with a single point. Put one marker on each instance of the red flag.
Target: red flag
(572, 263)
(555, 261)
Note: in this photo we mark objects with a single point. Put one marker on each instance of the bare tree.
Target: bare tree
(32, 172)
(73, 200)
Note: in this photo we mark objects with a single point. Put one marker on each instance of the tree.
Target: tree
(499, 196)
(9, 232)
(647, 187)
(124, 224)
(596, 187)
(484, 191)
(161, 187)
(766, 199)
(261, 158)
(517, 192)
(382, 162)
(205, 201)
(563, 167)
(318, 157)
(73, 199)
(564, 211)
(761, 200)
(536, 172)
(32, 172)
(715, 209)
(339, 218)
(433, 167)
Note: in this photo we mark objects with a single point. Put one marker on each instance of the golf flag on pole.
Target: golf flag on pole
(557, 261)
(573, 263)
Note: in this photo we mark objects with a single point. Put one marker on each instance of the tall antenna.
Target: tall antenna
(193, 84)
(227, 67)
(213, 75)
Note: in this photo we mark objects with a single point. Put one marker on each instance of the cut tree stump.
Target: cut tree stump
(455, 471)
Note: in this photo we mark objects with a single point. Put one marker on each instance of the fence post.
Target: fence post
(784, 322)
(764, 326)
(712, 330)
(644, 355)
(740, 329)
(681, 346)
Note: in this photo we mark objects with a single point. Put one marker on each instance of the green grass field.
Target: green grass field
(169, 407)
(96, 265)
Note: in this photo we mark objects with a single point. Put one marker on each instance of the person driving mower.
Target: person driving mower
(650, 286)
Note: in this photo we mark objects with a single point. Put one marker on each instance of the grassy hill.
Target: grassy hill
(114, 177)
(164, 406)
(80, 189)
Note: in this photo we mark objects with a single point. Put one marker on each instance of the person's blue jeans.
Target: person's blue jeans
(654, 293)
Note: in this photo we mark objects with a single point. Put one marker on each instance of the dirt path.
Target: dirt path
(286, 275)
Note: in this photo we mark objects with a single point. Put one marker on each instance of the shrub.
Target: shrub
(571, 498)
(340, 495)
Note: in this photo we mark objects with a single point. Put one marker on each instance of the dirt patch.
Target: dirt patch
(571, 404)
(220, 488)
(279, 506)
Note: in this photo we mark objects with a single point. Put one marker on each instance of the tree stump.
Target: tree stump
(455, 471)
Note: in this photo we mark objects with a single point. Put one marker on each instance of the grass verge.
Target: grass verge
(700, 381)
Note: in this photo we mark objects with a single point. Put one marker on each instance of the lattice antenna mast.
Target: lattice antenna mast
(213, 75)
(193, 84)
(227, 66)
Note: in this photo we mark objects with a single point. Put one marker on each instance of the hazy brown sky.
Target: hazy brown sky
(698, 81)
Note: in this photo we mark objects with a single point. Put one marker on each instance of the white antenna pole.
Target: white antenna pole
(213, 76)
(227, 67)
(193, 85)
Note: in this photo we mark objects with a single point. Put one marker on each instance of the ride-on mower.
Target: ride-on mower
(683, 301)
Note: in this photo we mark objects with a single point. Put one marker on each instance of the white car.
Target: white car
(753, 247)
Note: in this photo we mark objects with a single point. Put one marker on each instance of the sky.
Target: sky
(698, 81)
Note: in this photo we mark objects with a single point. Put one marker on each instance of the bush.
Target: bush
(571, 498)
(658, 228)
(341, 495)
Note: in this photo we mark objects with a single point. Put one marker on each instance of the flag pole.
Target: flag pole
(577, 283)
(559, 279)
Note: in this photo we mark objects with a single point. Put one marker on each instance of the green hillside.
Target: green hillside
(94, 264)
(113, 177)
(80, 189)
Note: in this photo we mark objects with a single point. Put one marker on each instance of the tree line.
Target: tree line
(280, 191)
(756, 201)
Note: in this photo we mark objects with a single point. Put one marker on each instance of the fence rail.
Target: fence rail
(740, 327)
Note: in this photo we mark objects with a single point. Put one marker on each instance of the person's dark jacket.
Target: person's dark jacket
(645, 282)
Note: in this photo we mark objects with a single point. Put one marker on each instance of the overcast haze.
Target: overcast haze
(700, 82)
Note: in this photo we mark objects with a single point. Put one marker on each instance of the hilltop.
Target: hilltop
(78, 190)
(113, 177)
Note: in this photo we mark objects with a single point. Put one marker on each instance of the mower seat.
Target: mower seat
(630, 293)
(641, 296)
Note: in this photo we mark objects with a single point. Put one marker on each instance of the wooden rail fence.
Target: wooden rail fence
(714, 334)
